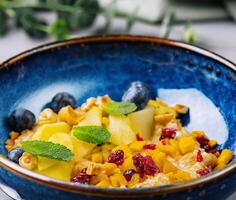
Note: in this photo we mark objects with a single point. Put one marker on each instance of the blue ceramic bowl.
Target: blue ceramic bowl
(95, 66)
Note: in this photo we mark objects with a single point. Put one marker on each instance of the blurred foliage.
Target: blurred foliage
(71, 15)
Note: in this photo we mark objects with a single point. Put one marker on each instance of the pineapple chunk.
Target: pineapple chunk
(142, 122)
(120, 129)
(45, 163)
(63, 139)
(47, 130)
(61, 170)
(92, 117)
(81, 148)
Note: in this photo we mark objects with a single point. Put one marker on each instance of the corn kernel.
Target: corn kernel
(97, 157)
(137, 145)
(118, 180)
(187, 144)
(103, 183)
(225, 156)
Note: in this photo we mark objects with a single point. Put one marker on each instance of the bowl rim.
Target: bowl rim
(115, 192)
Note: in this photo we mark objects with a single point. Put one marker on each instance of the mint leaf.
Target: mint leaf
(91, 134)
(47, 149)
(119, 108)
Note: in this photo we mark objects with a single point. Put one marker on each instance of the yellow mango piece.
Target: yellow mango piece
(142, 122)
(137, 145)
(159, 159)
(120, 129)
(187, 144)
(97, 157)
(45, 131)
(62, 171)
(103, 183)
(169, 167)
(92, 117)
(118, 180)
(219, 166)
(168, 149)
(63, 139)
(225, 156)
(124, 148)
(44, 163)
(128, 164)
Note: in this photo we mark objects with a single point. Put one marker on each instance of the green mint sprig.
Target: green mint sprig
(47, 149)
(119, 108)
(91, 134)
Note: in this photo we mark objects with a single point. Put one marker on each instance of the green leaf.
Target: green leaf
(59, 30)
(167, 24)
(3, 22)
(189, 33)
(110, 12)
(91, 134)
(47, 149)
(119, 108)
(131, 19)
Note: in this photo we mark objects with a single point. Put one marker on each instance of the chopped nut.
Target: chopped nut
(181, 109)
(47, 116)
(28, 161)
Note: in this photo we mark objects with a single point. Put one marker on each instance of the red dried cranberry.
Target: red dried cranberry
(202, 141)
(139, 137)
(150, 146)
(168, 133)
(82, 178)
(199, 156)
(116, 157)
(150, 167)
(145, 165)
(128, 174)
(203, 172)
(138, 160)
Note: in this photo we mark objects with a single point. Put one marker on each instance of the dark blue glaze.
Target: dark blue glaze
(108, 67)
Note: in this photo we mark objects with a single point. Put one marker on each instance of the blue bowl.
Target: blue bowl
(95, 66)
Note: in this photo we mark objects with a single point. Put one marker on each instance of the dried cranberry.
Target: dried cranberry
(138, 160)
(150, 167)
(139, 137)
(150, 146)
(128, 174)
(82, 178)
(145, 165)
(202, 141)
(203, 172)
(116, 157)
(168, 133)
(199, 156)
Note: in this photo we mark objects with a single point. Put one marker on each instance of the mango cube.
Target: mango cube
(187, 144)
(225, 156)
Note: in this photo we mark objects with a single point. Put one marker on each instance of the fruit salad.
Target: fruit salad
(137, 142)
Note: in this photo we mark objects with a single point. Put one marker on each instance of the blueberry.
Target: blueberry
(21, 119)
(15, 154)
(61, 100)
(138, 93)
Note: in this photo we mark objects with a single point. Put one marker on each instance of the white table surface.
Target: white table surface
(219, 37)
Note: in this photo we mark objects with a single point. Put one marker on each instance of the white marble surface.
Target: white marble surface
(216, 36)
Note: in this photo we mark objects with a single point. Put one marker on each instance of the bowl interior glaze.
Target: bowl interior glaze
(106, 66)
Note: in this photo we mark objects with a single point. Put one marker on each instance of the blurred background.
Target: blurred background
(25, 24)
